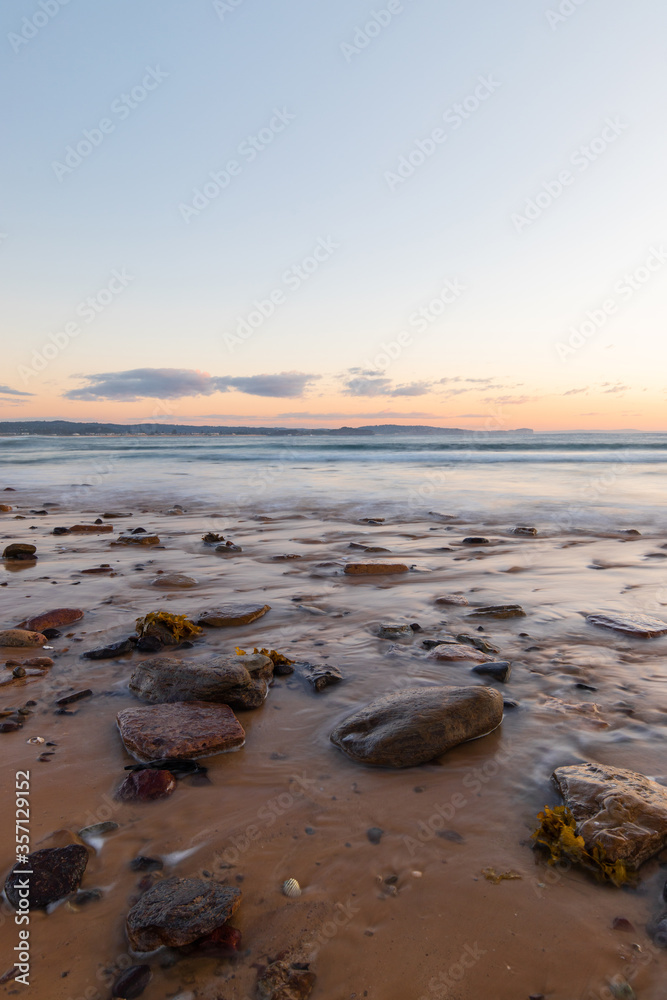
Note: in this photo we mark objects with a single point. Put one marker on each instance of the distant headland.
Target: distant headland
(68, 428)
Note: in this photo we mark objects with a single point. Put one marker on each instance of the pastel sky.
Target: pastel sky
(310, 213)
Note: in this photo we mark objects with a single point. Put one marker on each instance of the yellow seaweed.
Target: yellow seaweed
(278, 659)
(179, 625)
(491, 875)
(557, 833)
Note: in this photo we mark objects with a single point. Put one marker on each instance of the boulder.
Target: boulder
(174, 581)
(226, 615)
(458, 651)
(21, 637)
(239, 681)
(374, 569)
(639, 625)
(18, 551)
(181, 731)
(416, 725)
(623, 811)
(178, 911)
(56, 872)
(52, 619)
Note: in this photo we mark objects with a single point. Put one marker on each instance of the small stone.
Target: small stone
(395, 631)
(18, 672)
(322, 676)
(115, 513)
(169, 581)
(184, 730)
(110, 652)
(142, 538)
(499, 670)
(20, 551)
(90, 529)
(71, 698)
(458, 651)
(21, 637)
(452, 599)
(475, 540)
(639, 625)
(56, 872)
(98, 829)
(621, 924)
(145, 786)
(478, 642)
(230, 615)
(51, 619)
(5, 508)
(144, 864)
(375, 834)
(178, 911)
(9, 726)
(374, 569)
(132, 982)
(227, 547)
(498, 611)
(523, 530)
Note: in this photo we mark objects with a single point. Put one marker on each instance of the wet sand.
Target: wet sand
(409, 917)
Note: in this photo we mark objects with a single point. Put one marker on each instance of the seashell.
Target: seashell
(36, 739)
(291, 888)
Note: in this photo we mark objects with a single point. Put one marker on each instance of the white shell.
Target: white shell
(291, 888)
(36, 739)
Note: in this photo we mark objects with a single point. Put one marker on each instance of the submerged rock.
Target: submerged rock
(374, 569)
(183, 730)
(499, 670)
(498, 611)
(458, 651)
(239, 681)
(285, 980)
(395, 632)
(21, 637)
(416, 725)
(227, 615)
(452, 599)
(475, 540)
(639, 625)
(132, 982)
(524, 530)
(178, 911)
(111, 651)
(56, 872)
(145, 786)
(622, 811)
(174, 581)
(52, 619)
(321, 676)
(142, 538)
(90, 529)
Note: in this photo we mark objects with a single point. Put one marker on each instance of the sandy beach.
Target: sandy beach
(395, 902)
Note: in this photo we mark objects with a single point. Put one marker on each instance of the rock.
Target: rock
(224, 942)
(322, 676)
(375, 834)
(283, 980)
(174, 581)
(458, 651)
(228, 547)
(658, 930)
(43, 662)
(110, 652)
(94, 570)
(395, 631)
(625, 812)
(452, 599)
(98, 829)
(52, 619)
(139, 539)
(500, 670)
(416, 725)
(239, 681)
(56, 872)
(164, 629)
(21, 637)
(178, 911)
(374, 569)
(5, 508)
(522, 530)
(90, 529)
(132, 982)
(227, 615)
(180, 730)
(145, 786)
(144, 864)
(19, 551)
(60, 530)
(18, 671)
(115, 513)
(478, 642)
(10, 726)
(475, 540)
(212, 538)
(498, 611)
(639, 625)
(69, 699)
(621, 924)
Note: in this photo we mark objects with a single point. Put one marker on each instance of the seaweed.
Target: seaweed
(179, 625)
(491, 875)
(558, 834)
(211, 537)
(278, 659)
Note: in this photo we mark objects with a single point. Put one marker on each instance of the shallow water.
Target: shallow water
(289, 804)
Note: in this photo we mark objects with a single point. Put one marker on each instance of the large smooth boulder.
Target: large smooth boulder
(178, 911)
(181, 731)
(418, 724)
(21, 637)
(623, 811)
(239, 681)
(52, 619)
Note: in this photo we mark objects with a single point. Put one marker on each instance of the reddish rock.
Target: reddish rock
(21, 637)
(141, 539)
(374, 569)
(90, 529)
(34, 661)
(180, 730)
(178, 911)
(52, 619)
(5, 508)
(144, 786)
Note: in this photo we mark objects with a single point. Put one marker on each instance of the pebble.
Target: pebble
(375, 834)
(475, 540)
(69, 699)
(499, 611)
(144, 864)
(145, 786)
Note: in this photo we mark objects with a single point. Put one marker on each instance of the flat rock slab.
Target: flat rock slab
(416, 725)
(174, 581)
(239, 681)
(499, 611)
(623, 811)
(140, 539)
(458, 651)
(374, 569)
(56, 872)
(90, 529)
(21, 637)
(181, 731)
(452, 599)
(640, 625)
(52, 619)
(178, 911)
(227, 615)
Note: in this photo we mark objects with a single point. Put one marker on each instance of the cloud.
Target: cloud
(377, 415)
(175, 383)
(377, 385)
(510, 400)
(575, 392)
(615, 387)
(5, 390)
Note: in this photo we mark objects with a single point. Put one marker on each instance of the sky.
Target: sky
(317, 214)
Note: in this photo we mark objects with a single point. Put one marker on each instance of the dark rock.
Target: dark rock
(115, 513)
(452, 835)
(149, 644)
(178, 911)
(658, 930)
(56, 872)
(69, 699)
(499, 670)
(224, 942)
(621, 924)
(233, 614)
(522, 530)
(321, 676)
(143, 864)
(212, 538)
(90, 896)
(61, 530)
(182, 730)
(98, 829)
(19, 551)
(395, 631)
(283, 980)
(179, 768)
(478, 642)
(227, 547)
(51, 633)
(145, 786)
(10, 726)
(475, 540)
(498, 611)
(239, 681)
(416, 725)
(113, 650)
(137, 537)
(639, 625)
(375, 834)
(132, 982)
